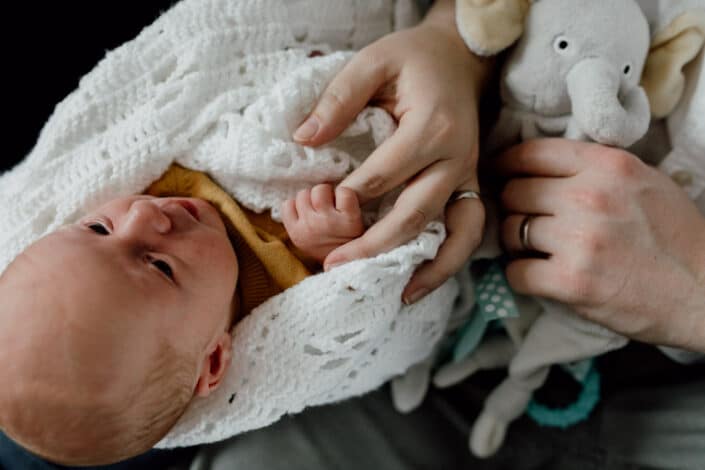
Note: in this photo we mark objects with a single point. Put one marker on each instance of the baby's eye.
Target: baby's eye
(164, 267)
(99, 228)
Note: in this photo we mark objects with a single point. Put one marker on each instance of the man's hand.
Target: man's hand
(320, 220)
(625, 245)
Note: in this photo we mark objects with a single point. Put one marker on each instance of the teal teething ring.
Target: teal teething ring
(575, 412)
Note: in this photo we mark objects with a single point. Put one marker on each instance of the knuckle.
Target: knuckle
(590, 243)
(442, 127)
(335, 99)
(621, 164)
(375, 184)
(594, 200)
(526, 151)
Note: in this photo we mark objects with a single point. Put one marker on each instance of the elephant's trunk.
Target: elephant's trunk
(594, 89)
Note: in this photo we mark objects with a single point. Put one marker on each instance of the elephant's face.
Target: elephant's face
(559, 34)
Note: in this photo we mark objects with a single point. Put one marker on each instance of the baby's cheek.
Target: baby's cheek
(220, 253)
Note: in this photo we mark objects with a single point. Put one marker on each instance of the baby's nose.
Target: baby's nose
(144, 215)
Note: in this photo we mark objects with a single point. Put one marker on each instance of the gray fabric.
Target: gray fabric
(662, 426)
(651, 417)
(361, 433)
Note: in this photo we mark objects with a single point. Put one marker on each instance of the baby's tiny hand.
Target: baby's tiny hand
(320, 219)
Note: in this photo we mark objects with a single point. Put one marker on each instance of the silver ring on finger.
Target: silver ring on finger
(524, 233)
(458, 195)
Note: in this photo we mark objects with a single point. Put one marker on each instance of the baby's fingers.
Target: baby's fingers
(322, 198)
(303, 202)
(465, 220)
(289, 214)
(419, 203)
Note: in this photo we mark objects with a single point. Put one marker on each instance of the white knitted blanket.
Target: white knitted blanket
(219, 86)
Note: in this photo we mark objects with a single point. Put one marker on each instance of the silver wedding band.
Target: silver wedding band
(458, 195)
(524, 238)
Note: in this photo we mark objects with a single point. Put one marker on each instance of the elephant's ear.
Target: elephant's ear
(490, 26)
(672, 49)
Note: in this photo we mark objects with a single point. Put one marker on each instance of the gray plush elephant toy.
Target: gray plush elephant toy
(575, 73)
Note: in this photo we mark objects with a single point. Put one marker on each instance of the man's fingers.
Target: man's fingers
(541, 233)
(419, 203)
(533, 195)
(395, 161)
(343, 99)
(533, 276)
(465, 220)
(543, 157)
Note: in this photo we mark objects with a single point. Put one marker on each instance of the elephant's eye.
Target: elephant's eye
(561, 44)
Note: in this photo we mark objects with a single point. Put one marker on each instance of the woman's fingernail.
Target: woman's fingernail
(307, 130)
(415, 296)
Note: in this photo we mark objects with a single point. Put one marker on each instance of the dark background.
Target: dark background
(46, 47)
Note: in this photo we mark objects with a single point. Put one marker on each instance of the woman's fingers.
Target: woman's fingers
(418, 204)
(544, 157)
(465, 221)
(394, 162)
(344, 98)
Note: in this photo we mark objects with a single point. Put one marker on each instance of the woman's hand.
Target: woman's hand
(626, 246)
(429, 81)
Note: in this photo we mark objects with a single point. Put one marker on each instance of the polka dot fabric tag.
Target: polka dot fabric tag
(494, 296)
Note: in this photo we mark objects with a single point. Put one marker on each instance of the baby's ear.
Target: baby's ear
(672, 49)
(490, 26)
(215, 365)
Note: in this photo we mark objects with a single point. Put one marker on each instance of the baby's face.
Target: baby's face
(90, 306)
(170, 253)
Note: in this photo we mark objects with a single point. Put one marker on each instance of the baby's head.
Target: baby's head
(110, 326)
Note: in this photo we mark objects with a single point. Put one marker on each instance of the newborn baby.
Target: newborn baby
(112, 325)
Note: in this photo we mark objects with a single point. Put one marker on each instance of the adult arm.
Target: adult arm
(430, 82)
(625, 245)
